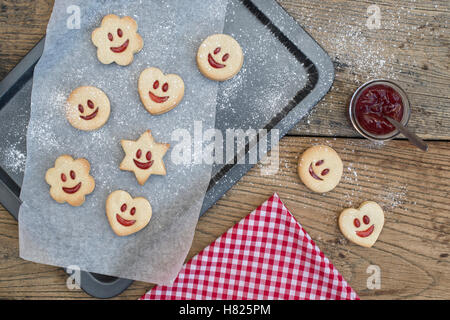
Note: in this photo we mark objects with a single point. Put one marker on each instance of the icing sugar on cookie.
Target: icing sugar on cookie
(160, 93)
(88, 108)
(363, 225)
(220, 57)
(320, 168)
(144, 157)
(117, 40)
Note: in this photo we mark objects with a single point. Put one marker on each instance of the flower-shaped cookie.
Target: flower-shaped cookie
(69, 180)
(117, 40)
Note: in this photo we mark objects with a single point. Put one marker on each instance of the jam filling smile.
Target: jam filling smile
(72, 190)
(91, 116)
(143, 165)
(214, 63)
(124, 222)
(323, 173)
(157, 99)
(313, 174)
(121, 48)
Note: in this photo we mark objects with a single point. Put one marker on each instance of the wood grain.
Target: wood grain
(412, 251)
(22, 23)
(413, 48)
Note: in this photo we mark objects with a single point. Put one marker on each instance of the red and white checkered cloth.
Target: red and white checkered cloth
(267, 255)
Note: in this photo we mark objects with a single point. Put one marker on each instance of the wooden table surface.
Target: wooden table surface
(411, 47)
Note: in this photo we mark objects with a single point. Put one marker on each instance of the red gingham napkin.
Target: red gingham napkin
(267, 255)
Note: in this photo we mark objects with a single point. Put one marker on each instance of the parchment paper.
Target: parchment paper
(61, 235)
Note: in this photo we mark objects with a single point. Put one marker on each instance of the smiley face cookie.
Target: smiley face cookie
(362, 226)
(220, 57)
(70, 180)
(160, 93)
(87, 108)
(127, 215)
(320, 168)
(117, 40)
(144, 157)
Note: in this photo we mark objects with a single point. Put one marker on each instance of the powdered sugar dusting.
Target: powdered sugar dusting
(13, 159)
(354, 47)
(70, 61)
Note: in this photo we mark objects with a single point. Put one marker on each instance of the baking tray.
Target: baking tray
(249, 17)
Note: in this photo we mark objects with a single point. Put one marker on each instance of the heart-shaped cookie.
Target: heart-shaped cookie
(127, 215)
(363, 225)
(160, 93)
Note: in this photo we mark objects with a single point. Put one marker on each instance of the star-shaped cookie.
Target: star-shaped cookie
(144, 157)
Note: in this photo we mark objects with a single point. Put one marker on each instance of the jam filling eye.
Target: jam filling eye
(356, 223)
(80, 108)
(366, 219)
(319, 163)
(139, 154)
(123, 207)
(110, 37)
(149, 156)
(156, 84)
(72, 174)
(119, 32)
(325, 172)
(225, 57)
(165, 87)
(133, 211)
(217, 50)
(90, 104)
(63, 177)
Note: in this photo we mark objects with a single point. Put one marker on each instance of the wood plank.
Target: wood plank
(412, 47)
(413, 188)
(22, 23)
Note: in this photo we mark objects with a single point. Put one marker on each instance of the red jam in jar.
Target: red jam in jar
(373, 104)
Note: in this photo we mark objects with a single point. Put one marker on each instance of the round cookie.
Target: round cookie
(70, 180)
(363, 225)
(117, 40)
(220, 57)
(160, 93)
(320, 168)
(87, 108)
(127, 215)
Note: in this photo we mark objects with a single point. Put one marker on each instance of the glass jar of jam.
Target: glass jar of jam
(370, 105)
